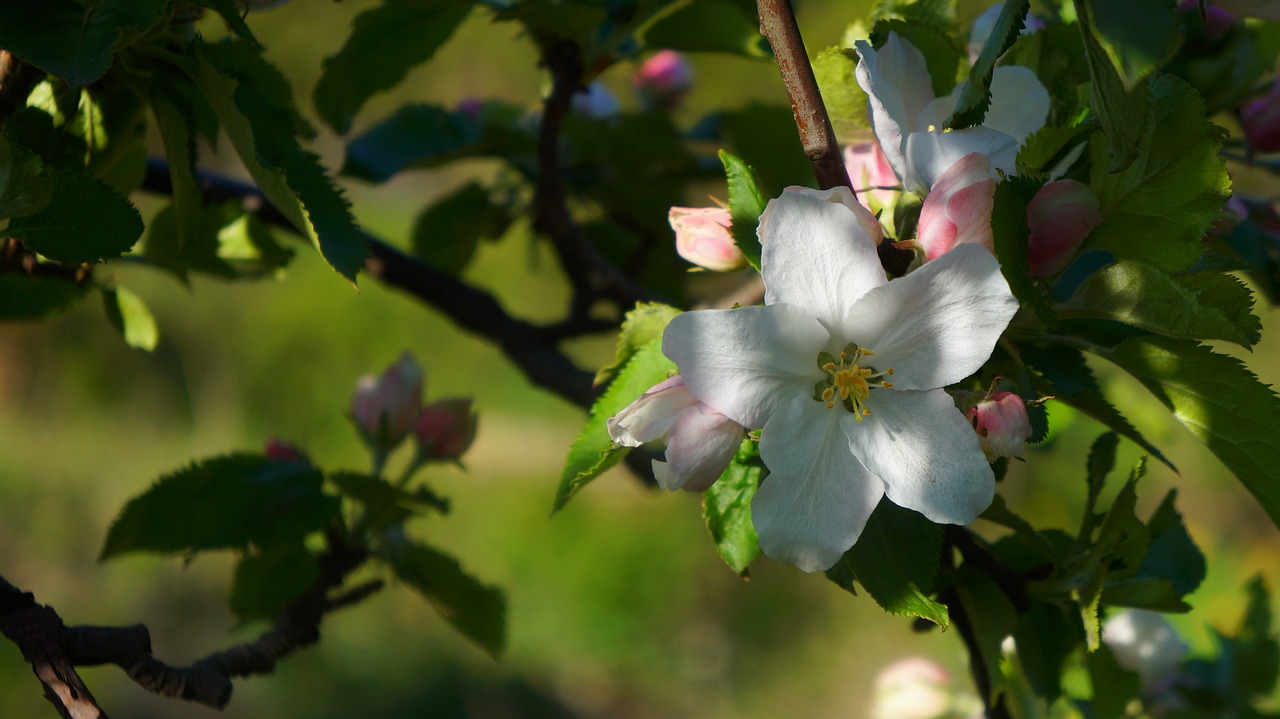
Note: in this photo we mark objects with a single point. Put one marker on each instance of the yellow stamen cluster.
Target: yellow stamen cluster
(851, 382)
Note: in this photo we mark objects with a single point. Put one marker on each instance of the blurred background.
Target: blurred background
(619, 605)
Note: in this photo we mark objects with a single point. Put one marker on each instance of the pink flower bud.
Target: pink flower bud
(1217, 22)
(282, 451)
(446, 429)
(1260, 120)
(384, 408)
(869, 168)
(663, 80)
(700, 441)
(1002, 425)
(958, 207)
(702, 237)
(1060, 216)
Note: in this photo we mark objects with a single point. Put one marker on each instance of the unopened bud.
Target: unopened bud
(1260, 121)
(958, 207)
(1144, 642)
(1060, 216)
(1216, 21)
(446, 429)
(703, 237)
(1002, 425)
(663, 80)
(384, 408)
(282, 451)
(868, 170)
(596, 102)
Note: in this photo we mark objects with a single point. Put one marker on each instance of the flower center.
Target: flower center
(849, 383)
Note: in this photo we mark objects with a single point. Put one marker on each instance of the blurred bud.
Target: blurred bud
(1060, 216)
(384, 408)
(663, 80)
(446, 429)
(1144, 642)
(1002, 425)
(1260, 120)
(986, 22)
(869, 168)
(283, 451)
(1216, 21)
(958, 207)
(700, 441)
(912, 688)
(703, 238)
(596, 102)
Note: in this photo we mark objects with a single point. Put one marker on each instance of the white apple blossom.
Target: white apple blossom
(842, 369)
(908, 120)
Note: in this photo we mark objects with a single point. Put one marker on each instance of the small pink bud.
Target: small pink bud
(445, 429)
(703, 238)
(663, 80)
(1260, 120)
(1060, 216)
(869, 168)
(282, 451)
(384, 408)
(958, 207)
(596, 102)
(1002, 425)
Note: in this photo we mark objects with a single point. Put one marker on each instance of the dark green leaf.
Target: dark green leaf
(32, 297)
(74, 42)
(938, 13)
(1173, 555)
(1102, 459)
(1157, 595)
(1254, 650)
(26, 183)
(229, 243)
(746, 202)
(1138, 36)
(1045, 637)
(896, 560)
(384, 504)
(593, 451)
(227, 502)
(131, 318)
(1010, 232)
(1219, 401)
(726, 507)
(1123, 112)
(1229, 296)
(993, 618)
(447, 233)
(385, 43)
(84, 221)
(705, 26)
(1050, 145)
(265, 582)
(176, 123)
(844, 98)
(975, 94)
(642, 325)
(765, 137)
(476, 610)
(232, 16)
(1113, 686)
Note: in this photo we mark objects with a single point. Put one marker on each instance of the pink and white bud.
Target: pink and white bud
(1002, 425)
(1060, 216)
(282, 451)
(663, 80)
(1260, 121)
(596, 102)
(1144, 642)
(384, 408)
(703, 237)
(445, 429)
(913, 688)
(700, 441)
(958, 208)
(868, 169)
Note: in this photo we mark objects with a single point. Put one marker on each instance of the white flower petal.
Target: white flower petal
(652, 415)
(817, 253)
(817, 497)
(926, 453)
(699, 447)
(938, 324)
(896, 80)
(1019, 103)
(745, 362)
(931, 154)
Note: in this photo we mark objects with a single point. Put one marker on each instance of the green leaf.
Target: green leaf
(845, 100)
(478, 611)
(1139, 294)
(1159, 208)
(447, 233)
(1255, 654)
(131, 318)
(33, 297)
(1138, 36)
(232, 17)
(896, 560)
(975, 93)
(385, 43)
(229, 243)
(1173, 555)
(252, 102)
(84, 221)
(993, 618)
(384, 504)
(176, 123)
(1049, 145)
(705, 26)
(74, 42)
(1010, 232)
(1123, 112)
(266, 582)
(1219, 401)
(1114, 687)
(1102, 459)
(593, 451)
(1230, 297)
(726, 507)
(746, 203)
(26, 183)
(226, 502)
(1045, 636)
(643, 324)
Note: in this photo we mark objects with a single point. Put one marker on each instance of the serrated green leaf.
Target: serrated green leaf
(726, 507)
(264, 583)
(1253, 651)
(643, 324)
(1045, 637)
(478, 611)
(74, 42)
(746, 203)
(385, 43)
(1229, 296)
(176, 123)
(1159, 208)
(1173, 555)
(384, 504)
(131, 318)
(846, 102)
(1123, 113)
(448, 232)
(705, 26)
(230, 243)
(1010, 232)
(1219, 401)
(226, 502)
(26, 183)
(84, 221)
(1102, 459)
(1138, 36)
(33, 297)
(896, 561)
(593, 451)
(992, 618)
(975, 93)
(1050, 145)
(938, 13)
(1114, 687)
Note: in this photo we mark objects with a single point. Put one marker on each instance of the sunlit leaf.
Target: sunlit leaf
(896, 560)
(726, 507)
(131, 318)
(746, 203)
(643, 324)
